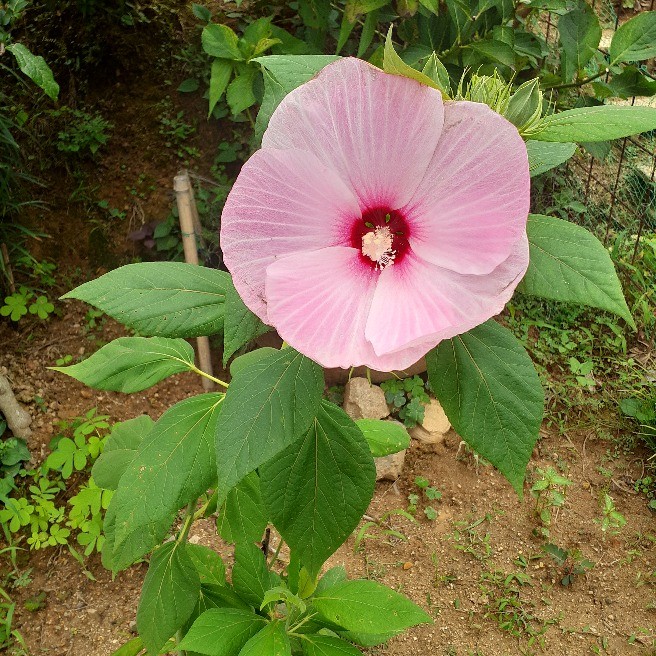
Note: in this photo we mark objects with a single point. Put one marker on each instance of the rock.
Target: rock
(362, 400)
(388, 468)
(434, 427)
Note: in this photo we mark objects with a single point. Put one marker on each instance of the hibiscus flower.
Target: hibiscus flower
(377, 220)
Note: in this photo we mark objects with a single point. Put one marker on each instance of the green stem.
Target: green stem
(182, 537)
(580, 83)
(275, 554)
(206, 375)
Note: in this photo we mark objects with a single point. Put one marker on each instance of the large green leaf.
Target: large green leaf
(240, 94)
(167, 299)
(241, 326)
(394, 65)
(272, 640)
(274, 92)
(168, 596)
(250, 576)
(631, 82)
(321, 645)
(544, 156)
(384, 437)
(491, 394)
(132, 364)
(495, 50)
(635, 40)
(318, 488)
(222, 632)
(120, 449)
(243, 517)
(220, 74)
(268, 405)
(568, 263)
(35, 68)
(220, 41)
(208, 564)
(580, 34)
(174, 466)
(368, 607)
(599, 123)
(290, 71)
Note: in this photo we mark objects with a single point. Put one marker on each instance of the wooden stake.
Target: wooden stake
(7, 264)
(186, 207)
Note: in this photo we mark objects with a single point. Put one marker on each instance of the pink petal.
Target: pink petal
(417, 301)
(377, 131)
(471, 206)
(282, 202)
(319, 303)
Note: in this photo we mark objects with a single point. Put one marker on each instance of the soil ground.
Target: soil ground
(454, 571)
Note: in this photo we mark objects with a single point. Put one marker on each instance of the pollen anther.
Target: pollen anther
(377, 246)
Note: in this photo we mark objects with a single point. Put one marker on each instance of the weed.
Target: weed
(549, 494)
(18, 304)
(430, 493)
(612, 521)
(471, 541)
(83, 134)
(408, 398)
(572, 563)
(383, 529)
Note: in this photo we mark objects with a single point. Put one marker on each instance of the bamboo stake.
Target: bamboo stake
(186, 207)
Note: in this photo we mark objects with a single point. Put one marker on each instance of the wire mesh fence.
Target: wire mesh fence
(617, 181)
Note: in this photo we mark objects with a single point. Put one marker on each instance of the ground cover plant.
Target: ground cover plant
(245, 453)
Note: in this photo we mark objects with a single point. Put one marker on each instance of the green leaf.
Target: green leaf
(250, 576)
(168, 596)
(319, 486)
(635, 40)
(268, 406)
(132, 364)
(166, 299)
(220, 73)
(394, 65)
(290, 71)
(321, 645)
(631, 82)
(368, 607)
(130, 648)
(273, 95)
(189, 85)
(208, 564)
(222, 632)
(218, 596)
(435, 70)
(240, 94)
(544, 156)
(332, 577)
(174, 466)
(580, 34)
(384, 437)
(35, 68)
(243, 517)
(599, 123)
(355, 8)
(495, 50)
(250, 358)
(491, 394)
(568, 263)
(272, 640)
(241, 326)
(220, 41)
(120, 449)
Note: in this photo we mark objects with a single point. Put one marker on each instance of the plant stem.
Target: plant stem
(580, 83)
(206, 375)
(187, 522)
(275, 554)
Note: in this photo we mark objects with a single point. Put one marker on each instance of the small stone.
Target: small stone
(434, 426)
(86, 394)
(362, 400)
(388, 468)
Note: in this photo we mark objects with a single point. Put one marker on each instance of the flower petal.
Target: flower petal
(417, 301)
(319, 303)
(471, 206)
(378, 131)
(282, 202)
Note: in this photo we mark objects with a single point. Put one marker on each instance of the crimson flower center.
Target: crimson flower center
(381, 235)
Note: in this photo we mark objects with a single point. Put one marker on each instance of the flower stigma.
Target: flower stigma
(377, 246)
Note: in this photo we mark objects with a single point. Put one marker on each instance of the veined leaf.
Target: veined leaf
(166, 299)
(132, 364)
(635, 40)
(35, 68)
(568, 263)
(491, 393)
(269, 405)
(319, 486)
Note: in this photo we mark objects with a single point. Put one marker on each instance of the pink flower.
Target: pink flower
(377, 220)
